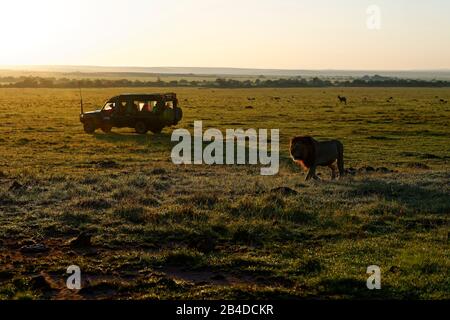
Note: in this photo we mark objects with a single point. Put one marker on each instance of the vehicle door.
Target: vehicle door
(107, 112)
(119, 116)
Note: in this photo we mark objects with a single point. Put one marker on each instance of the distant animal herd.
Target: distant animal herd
(343, 99)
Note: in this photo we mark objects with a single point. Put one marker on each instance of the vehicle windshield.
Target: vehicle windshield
(109, 106)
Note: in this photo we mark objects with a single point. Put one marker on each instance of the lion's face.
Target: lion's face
(298, 151)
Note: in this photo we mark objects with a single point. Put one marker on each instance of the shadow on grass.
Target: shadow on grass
(414, 197)
(351, 288)
(143, 139)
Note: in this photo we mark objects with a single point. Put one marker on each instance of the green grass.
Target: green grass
(171, 232)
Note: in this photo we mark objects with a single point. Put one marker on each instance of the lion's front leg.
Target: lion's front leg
(308, 176)
(312, 174)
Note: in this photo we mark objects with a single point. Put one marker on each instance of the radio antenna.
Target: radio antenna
(81, 98)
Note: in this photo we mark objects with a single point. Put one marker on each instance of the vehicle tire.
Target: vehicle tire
(106, 128)
(89, 127)
(141, 127)
(156, 129)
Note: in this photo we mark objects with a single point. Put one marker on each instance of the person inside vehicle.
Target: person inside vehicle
(122, 107)
(146, 107)
(159, 107)
(132, 108)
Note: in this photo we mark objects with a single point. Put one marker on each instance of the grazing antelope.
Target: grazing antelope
(342, 99)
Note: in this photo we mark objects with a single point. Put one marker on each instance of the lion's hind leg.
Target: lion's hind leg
(333, 171)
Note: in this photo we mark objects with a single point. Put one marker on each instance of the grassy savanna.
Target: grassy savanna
(166, 231)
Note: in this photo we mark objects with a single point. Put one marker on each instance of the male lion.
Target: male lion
(309, 153)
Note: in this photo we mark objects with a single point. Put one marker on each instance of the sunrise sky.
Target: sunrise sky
(290, 34)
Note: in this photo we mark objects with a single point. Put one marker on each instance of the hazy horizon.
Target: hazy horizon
(62, 66)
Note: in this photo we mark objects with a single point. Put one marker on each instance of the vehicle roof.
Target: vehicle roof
(168, 95)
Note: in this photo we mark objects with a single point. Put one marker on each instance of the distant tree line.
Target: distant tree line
(296, 82)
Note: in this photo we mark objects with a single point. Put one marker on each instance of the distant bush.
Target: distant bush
(295, 82)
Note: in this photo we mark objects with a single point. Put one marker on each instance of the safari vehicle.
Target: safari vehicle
(142, 112)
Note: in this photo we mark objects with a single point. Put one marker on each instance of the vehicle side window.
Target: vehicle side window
(121, 106)
(131, 107)
(135, 106)
(159, 107)
(142, 105)
(147, 106)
